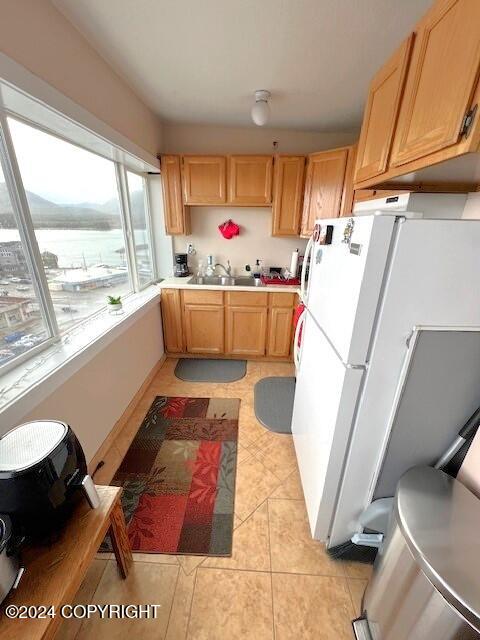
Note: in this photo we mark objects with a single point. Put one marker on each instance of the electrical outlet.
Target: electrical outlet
(190, 249)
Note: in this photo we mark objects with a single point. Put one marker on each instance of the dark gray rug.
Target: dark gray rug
(206, 370)
(274, 403)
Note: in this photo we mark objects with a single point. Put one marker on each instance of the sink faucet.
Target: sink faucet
(227, 269)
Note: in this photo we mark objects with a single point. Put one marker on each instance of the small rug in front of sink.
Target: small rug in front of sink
(178, 477)
(210, 370)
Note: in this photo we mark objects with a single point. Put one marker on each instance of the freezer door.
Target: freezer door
(345, 283)
(325, 400)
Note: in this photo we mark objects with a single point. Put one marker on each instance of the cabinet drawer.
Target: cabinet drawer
(282, 299)
(247, 298)
(200, 296)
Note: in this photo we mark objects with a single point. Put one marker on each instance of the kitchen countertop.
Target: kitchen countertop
(184, 283)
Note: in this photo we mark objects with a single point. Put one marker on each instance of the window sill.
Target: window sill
(61, 360)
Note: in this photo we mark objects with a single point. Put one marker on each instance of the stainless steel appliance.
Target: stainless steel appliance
(426, 580)
(181, 265)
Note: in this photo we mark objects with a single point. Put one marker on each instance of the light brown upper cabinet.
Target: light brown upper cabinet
(381, 112)
(250, 180)
(204, 179)
(177, 219)
(324, 186)
(440, 84)
(288, 180)
(348, 190)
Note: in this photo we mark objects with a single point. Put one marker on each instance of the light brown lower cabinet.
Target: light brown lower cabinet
(246, 330)
(279, 341)
(172, 320)
(242, 324)
(204, 328)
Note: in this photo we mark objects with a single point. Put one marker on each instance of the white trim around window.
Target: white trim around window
(23, 218)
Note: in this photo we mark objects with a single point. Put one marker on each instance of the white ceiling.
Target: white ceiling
(200, 61)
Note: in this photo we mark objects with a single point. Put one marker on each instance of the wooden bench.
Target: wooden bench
(54, 573)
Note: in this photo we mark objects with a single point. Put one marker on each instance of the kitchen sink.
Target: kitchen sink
(227, 281)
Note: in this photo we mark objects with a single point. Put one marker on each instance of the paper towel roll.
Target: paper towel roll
(294, 263)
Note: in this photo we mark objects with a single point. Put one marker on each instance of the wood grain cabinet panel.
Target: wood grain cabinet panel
(204, 328)
(202, 296)
(204, 179)
(282, 299)
(381, 112)
(172, 320)
(250, 180)
(288, 179)
(346, 207)
(246, 330)
(247, 298)
(324, 187)
(177, 220)
(280, 332)
(441, 80)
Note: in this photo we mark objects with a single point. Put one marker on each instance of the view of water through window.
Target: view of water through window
(74, 204)
(21, 323)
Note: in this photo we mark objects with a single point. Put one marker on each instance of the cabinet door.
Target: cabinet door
(204, 328)
(287, 195)
(441, 80)
(381, 112)
(280, 332)
(172, 320)
(204, 180)
(176, 217)
(346, 207)
(246, 330)
(250, 180)
(324, 187)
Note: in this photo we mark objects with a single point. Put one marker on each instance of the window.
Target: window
(22, 326)
(74, 229)
(141, 232)
(74, 205)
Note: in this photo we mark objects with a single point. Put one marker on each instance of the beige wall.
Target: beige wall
(94, 398)
(255, 240)
(186, 138)
(36, 35)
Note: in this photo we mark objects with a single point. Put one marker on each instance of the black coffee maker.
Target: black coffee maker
(181, 265)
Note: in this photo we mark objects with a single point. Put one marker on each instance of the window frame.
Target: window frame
(23, 219)
(148, 223)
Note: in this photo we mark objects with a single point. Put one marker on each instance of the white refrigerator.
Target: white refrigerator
(382, 275)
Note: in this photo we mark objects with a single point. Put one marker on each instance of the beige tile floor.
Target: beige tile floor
(279, 583)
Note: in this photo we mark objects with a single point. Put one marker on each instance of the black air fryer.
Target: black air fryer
(42, 471)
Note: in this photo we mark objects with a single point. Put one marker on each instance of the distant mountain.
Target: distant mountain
(84, 215)
(112, 206)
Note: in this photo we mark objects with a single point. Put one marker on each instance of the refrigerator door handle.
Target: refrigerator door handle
(296, 346)
(308, 251)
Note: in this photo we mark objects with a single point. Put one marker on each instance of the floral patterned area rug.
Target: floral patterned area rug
(178, 477)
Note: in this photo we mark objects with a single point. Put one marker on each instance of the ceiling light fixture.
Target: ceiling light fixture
(261, 110)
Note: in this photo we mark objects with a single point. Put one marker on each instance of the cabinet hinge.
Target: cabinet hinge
(468, 121)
